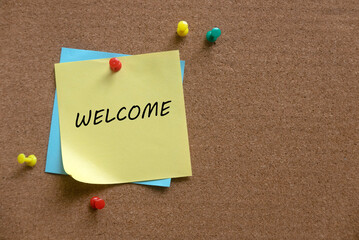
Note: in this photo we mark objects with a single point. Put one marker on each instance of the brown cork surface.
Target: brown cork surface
(272, 111)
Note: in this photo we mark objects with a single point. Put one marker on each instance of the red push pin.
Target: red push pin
(115, 64)
(97, 203)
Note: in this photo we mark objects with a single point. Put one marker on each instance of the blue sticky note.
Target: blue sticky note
(54, 158)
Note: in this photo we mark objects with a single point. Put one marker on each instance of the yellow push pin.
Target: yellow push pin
(30, 161)
(182, 29)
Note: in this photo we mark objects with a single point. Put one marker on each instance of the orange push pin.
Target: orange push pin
(115, 64)
(30, 161)
(97, 203)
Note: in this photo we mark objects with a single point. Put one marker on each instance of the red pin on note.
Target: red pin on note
(115, 64)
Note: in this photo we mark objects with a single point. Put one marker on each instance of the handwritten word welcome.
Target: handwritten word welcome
(133, 113)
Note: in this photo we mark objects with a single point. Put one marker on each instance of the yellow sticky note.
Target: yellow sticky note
(124, 126)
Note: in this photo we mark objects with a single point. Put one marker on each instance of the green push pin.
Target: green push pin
(213, 34)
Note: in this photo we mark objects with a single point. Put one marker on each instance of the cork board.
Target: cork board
(272, 111)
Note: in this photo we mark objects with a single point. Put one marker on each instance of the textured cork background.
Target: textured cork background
(272, 111)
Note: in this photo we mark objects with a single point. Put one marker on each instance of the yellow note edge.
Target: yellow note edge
(125, 126)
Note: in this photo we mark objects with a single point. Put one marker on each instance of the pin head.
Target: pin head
(182, 28)
(97, 203)
(30, 161)
(216, 32)
(21, 158)
(213, 34)
(115, 64)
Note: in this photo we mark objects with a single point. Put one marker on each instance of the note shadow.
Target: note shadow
(155, 189)
(182, 179)
(72, 189)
